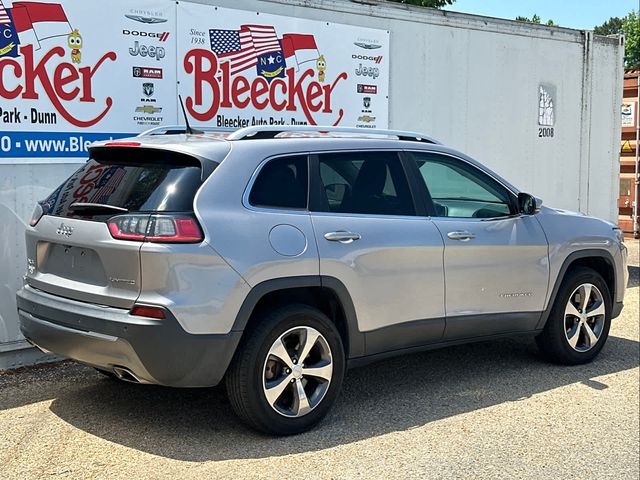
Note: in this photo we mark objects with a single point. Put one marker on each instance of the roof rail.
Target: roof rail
(179, 129)
(271, 131)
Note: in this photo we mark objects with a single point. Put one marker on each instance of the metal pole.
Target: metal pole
(636, 220)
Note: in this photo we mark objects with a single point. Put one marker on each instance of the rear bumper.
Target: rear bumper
(153, 351)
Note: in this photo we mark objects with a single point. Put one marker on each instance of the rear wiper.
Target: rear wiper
(96, 207)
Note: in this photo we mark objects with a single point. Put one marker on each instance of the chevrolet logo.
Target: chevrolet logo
(366, 118)
(149, 109)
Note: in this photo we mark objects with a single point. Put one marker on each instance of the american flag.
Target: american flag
(4, 16)
(107, 184)
(241, 48)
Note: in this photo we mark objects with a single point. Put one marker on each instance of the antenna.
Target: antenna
(188, 129)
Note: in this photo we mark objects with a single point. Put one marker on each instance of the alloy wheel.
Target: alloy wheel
(584, 317)
(297, 371)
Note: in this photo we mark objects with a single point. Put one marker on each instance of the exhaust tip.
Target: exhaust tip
(126, 375)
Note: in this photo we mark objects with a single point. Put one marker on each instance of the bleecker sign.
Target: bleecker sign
(62, 82)
(237, 69)
(71, 72)
(289, 93)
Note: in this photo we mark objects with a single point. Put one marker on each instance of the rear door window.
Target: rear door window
(371, 183)
(136, 180)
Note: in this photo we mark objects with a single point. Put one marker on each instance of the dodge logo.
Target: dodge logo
(64, 230)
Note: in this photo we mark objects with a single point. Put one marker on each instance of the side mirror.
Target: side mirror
(528, 204)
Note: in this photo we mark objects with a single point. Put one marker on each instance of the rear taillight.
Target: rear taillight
(122, 144)
(156, 228)
(147, 311)
(37, 214)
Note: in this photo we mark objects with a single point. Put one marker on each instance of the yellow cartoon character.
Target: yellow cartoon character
(74, 41)
(321, 65)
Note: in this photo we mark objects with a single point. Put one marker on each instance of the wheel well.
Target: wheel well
(603, 267)
(322, 298)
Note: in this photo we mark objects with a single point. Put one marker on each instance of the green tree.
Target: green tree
(629, 26)
(631, 30)
(426, 3)
(613, 26)
(535, 19)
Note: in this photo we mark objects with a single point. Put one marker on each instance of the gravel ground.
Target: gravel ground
(491, 410)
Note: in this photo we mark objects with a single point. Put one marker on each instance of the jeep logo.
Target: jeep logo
(372, 72)
(145, 51)
(64, 230)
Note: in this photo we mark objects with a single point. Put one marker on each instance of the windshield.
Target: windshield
(136, 180)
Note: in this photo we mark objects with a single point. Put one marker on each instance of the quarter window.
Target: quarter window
(371, 183)
(460, 190)
(282, 183)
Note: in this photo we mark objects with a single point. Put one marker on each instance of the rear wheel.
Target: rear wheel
(287, 374)
(579, 322)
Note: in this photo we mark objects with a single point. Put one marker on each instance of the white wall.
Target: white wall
(470, 81)
(20, 187)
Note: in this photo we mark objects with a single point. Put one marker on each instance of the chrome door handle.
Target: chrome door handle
(342, 236)
(463, 236)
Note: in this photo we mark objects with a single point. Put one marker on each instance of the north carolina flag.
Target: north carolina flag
(8, 36)
(37, 21)
(299, 48)
(241, 48)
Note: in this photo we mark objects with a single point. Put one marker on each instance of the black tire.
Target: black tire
(553, 342)
(244, 379)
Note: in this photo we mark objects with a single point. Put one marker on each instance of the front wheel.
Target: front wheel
(287, 374)
(579, 322)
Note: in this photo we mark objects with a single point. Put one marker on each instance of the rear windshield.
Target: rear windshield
(133, 179)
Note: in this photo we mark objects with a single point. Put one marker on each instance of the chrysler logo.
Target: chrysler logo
(367, 46)
(148, 20)
(64, 230)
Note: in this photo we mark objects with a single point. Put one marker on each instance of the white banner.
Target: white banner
(238, 68)
(75, 71)
(629, 114)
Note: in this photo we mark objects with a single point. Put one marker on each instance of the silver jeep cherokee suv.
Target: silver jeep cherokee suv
(276, 257)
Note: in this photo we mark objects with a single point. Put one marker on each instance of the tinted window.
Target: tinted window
(365, 182)
(460, 190)
(136, 179)
(282, 183)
